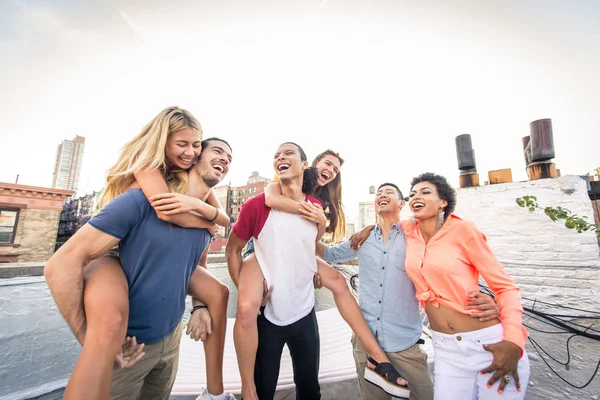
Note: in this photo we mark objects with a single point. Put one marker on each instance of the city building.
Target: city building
(223, 194)
(350, 229)
(29, 218)
(76, 211)
(366, 215)
(69, 156)
(231, 199)
(239, 194)
(256, 178)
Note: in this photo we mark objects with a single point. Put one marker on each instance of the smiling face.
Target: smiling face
(214, 162)
(183, 148)
(425, 201)
(388, 201)
(288, 162)
(328, 168)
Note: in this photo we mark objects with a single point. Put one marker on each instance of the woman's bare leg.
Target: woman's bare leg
(208, 289)
(245, 331)
(349, 309)
(106, 303)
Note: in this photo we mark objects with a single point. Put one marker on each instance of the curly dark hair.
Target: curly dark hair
(445, 191)
(310, 179)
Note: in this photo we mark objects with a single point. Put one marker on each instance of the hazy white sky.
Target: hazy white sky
(388, 84)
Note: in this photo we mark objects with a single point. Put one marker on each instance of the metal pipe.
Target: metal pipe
(465, 153)
(542, 140)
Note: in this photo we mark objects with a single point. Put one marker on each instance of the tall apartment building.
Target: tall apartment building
(69, 156)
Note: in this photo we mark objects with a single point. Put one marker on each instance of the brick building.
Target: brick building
(29, 221)
(239, 194)
(232, 198)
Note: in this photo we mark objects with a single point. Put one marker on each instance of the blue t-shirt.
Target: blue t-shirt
(158, 259)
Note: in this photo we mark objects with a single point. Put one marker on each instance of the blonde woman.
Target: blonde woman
(157, 161)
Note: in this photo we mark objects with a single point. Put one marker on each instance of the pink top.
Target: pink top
(447, 268)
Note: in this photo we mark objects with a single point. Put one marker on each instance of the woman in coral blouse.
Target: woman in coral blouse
(445, 257)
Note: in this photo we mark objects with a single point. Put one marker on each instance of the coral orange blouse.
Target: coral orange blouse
(447, 268)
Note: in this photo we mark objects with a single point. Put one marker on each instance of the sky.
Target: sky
(387, 84)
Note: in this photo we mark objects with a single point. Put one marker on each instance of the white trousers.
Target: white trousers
(460, 357)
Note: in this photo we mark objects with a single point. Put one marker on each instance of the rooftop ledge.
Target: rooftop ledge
(14, 270)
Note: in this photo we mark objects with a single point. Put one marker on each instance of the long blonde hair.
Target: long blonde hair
(147, 151)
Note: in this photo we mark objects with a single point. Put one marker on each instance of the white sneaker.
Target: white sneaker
(204, 395)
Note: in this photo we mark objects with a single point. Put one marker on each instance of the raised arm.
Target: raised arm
(233, 255)
(152, 183)
(64, 273)
(274, 199)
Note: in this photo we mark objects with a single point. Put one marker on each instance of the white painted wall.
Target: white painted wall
(548, 262)
(545, 258)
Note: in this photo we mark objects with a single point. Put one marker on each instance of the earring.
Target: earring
(440, 219)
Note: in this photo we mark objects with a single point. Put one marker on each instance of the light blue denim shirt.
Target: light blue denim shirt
(386, 294)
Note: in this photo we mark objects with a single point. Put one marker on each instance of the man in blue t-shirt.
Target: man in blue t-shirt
(158, 259)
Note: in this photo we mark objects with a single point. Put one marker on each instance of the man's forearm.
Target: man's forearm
(320, 248)
(66, 285)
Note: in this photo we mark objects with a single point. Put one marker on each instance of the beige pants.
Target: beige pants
(410, 363)
(152, 377)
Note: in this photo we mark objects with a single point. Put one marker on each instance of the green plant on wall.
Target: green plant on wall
(572, 221)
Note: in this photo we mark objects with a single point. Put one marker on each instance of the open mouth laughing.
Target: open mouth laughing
(186, 160)
(283, 167)
(219, 167)
(417, 205)
(325, 176)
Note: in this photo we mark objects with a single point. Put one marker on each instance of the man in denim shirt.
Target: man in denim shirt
(387, 298)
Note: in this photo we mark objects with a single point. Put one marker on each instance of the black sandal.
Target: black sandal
(386, 377)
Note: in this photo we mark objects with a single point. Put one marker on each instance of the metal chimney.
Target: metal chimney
(466, 162)
(538, 149)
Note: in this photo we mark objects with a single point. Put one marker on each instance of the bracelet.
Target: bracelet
(197, 308)
(215, 217)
